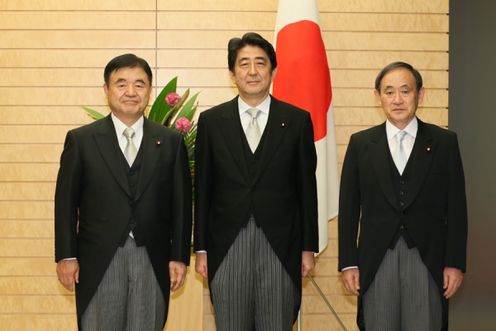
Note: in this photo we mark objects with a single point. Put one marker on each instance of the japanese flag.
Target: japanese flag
(303, 80)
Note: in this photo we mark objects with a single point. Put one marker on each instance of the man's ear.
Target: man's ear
(421, 95)
(377, 95)
(231, 75)
(105, 88)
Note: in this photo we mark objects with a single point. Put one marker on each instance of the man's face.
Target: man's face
(252, 73)
(399, 97)
(128, 92)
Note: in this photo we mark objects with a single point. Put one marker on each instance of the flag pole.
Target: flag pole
(327, 303)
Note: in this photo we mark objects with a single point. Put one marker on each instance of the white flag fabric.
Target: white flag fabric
(303, 80)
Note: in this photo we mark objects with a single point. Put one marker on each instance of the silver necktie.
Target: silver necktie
(400, 157)
(130, 151)
(253, 130)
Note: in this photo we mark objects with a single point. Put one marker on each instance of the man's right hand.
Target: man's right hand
(201, 264)
(351, 280)
(68, 273)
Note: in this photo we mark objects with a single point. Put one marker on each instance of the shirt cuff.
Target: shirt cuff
(348, 268)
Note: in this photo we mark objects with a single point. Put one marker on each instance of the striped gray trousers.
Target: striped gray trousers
(403, 295)
(128, 297)
(251, 290)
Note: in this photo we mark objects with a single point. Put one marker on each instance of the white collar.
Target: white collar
(264, 106)
(411, 128)
(120, 126)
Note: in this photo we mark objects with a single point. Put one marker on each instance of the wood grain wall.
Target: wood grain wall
(52, 55)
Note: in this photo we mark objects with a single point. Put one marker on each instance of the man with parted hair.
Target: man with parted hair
(256, 199)
(402, 213)
(123, 209)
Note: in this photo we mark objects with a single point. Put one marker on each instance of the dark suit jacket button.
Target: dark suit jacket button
(402, 193)
(402, 203)
(402, 227)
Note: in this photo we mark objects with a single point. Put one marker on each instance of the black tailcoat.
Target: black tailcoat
(94, 204)
(434, 214)
(282, 195)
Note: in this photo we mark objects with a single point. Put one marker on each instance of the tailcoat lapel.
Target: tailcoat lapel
(150, 147)
(277, 125)
(232, 130)
(107, 144)
(421, 158)
(379, 154)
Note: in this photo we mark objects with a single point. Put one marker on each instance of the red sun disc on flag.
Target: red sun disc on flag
(302, 78)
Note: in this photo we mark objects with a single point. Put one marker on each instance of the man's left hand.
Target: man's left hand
(177, 274)
(453, 278)
(307, 263)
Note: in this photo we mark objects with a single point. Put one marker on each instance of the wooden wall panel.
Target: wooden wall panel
(29, 153)
(386, 6)
(265, 21)
(53, 77)
(46, 285)
(51, 96)
(189, 58)
(51, 63)
(26, 210)
(32, 229)
(45, 114)
(26, 267)
(33, 133)
(79, 5)
(375, 6)
(384, 40)
(16, 322)
(67, 58)
(26, 247)
(35, 191)
(73, 20)
(372, 59)
(22, 172)
(34, 304)
(43, 39)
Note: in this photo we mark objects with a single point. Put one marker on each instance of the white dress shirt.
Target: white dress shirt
(262, 117)
(411, 130)
(119, 130)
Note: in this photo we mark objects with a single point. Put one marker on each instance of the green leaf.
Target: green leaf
(160, 108)
(93, 113)
(189, 141)
(189, 108)
(183, 98)
(172, 113)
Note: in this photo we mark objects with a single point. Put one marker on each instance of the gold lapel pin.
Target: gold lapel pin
(428, 149)
(158, 142)
(283, 124)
